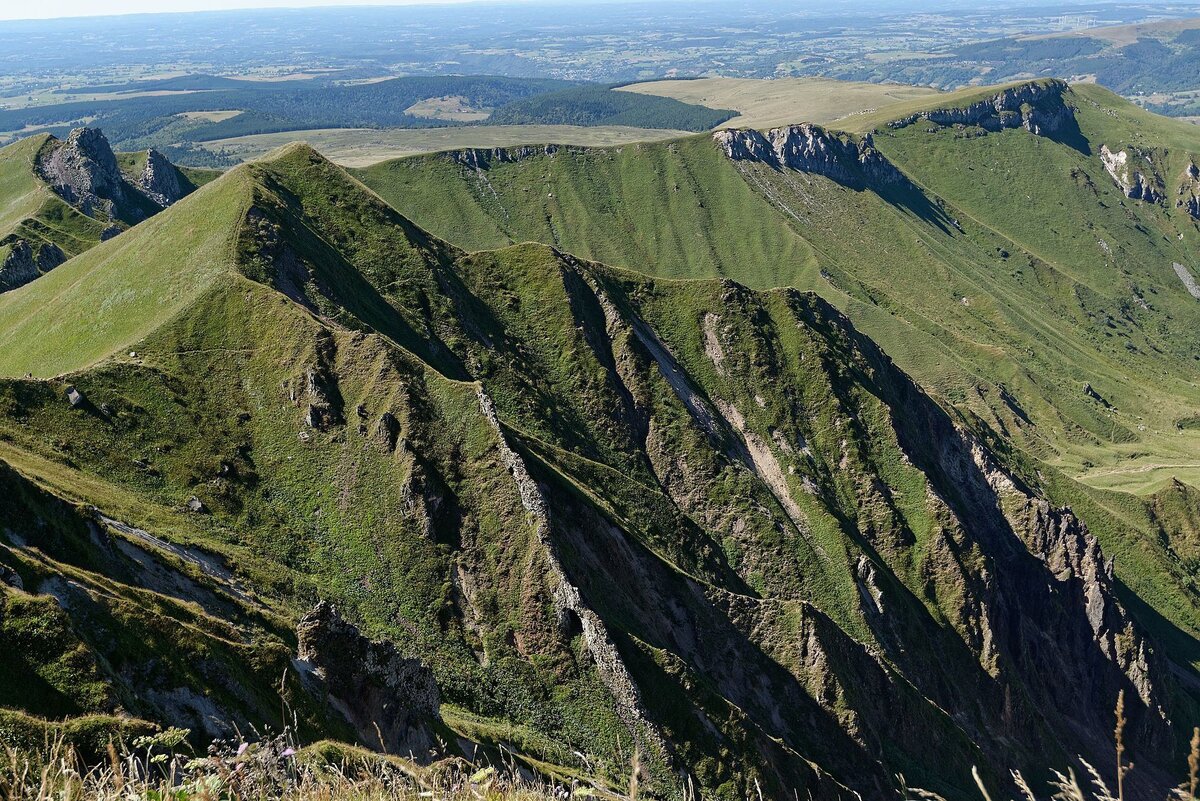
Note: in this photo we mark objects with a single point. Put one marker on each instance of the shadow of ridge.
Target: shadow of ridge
(1183, 648)
(1071, 135)
(910, 198)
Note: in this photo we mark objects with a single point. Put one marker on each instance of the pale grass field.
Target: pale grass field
(451, 107)
(359, 147)
(773, 103)
(210, 116)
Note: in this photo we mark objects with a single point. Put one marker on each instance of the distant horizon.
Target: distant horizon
(77, 9)
(74, 9)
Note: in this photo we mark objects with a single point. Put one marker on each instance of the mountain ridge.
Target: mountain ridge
(557, 480)
(838, 243)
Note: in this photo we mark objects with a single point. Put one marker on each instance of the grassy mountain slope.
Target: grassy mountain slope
(614, 514)
(53, 325)
(674, 210)
(1100, 266)
(1012, 278)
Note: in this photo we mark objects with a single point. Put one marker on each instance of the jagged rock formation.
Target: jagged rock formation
(83, 170)
(159, 180)
(1132, 181)
(100, 199)
(1189, 191)
(321, 390)
(379, 691)
(810, 148)
(1038, 107)
(26, 261)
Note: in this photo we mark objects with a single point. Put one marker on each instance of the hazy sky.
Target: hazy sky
(17, 9)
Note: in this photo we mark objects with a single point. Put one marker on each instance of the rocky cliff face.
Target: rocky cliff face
(1135, 183)
(380, 692)
(83, 171)
(480, 158)
(1037, 107)
(810, 148)
(159, 180)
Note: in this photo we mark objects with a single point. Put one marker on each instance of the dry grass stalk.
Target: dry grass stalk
(1119, 734)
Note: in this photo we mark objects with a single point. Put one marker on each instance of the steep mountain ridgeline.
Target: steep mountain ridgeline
(1092, 259)
(612, 514)
(62, 197)
(972, 239)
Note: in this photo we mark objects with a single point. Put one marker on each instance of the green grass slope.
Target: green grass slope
(674, 210)
(21, 194)
(615, 514)
(118, 292)
(1091, 278)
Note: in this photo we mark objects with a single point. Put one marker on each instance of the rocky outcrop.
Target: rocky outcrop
(1188, 280)
(25, 261)
(1189, 191)
(159, 180)
(479, 158)
(569, 605)
(812, 149)
(1133, 182)
(391, 700)
(83, 170)
(321, 389)
(1040, 562)
(1038, 107)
